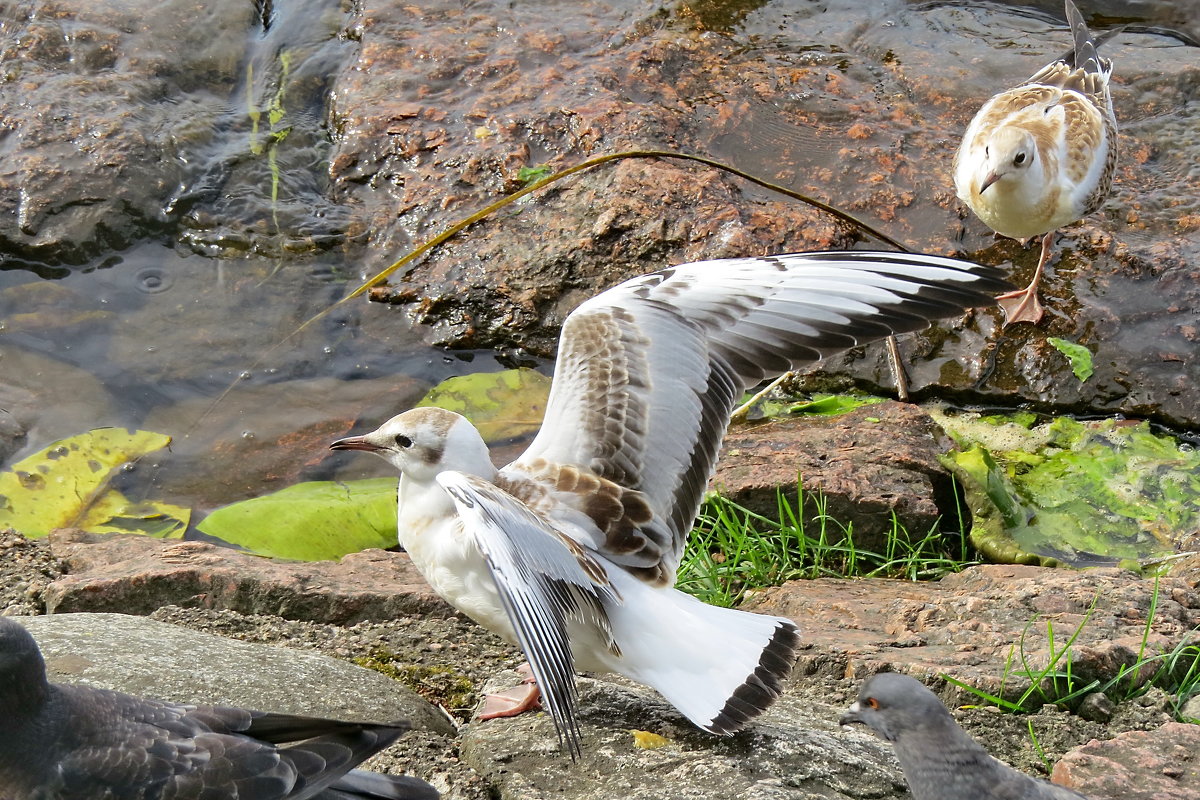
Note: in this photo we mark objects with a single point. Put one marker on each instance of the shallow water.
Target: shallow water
(193, 283)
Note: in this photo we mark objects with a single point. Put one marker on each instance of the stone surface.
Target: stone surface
(154, 659)
(868, 464)
(134, 574)
(1162, 764)
(797, 751)
(966, 625)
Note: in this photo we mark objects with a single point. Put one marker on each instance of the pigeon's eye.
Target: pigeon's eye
(403, 440)
(1019, 159)
(872, 704)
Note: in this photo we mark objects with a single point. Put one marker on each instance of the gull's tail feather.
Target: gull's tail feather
(763, 686)
(720, 667)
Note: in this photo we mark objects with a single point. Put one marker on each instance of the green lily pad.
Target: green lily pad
(1091, 493)
(502, 405)
(313, 521)
(67, 485)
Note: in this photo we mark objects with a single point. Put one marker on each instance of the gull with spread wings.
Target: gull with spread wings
(572, 549)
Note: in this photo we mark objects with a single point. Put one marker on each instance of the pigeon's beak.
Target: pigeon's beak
(355, 443)
(991, 178)
(851, 716)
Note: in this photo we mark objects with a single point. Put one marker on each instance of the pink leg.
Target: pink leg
(523, 697)
(1023, 305)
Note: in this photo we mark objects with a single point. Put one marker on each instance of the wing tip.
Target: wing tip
(763, 686)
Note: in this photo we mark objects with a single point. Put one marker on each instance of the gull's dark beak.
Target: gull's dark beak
(851, 716)
(355, 443)
(991, 178)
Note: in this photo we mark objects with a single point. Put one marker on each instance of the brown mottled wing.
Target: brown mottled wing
(649, 371)
(545, 581)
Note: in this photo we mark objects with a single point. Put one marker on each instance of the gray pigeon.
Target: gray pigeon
(63, 742)
(940, 761)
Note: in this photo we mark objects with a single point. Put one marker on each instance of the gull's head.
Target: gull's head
(422, 442)
(1009, 155)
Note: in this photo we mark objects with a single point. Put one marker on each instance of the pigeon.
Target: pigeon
(571, 550)
(64, 742)
(1042, 155)
(940, 761)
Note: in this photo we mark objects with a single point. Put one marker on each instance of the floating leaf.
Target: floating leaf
(1079, 356)
(313, 521)
(67, 485)
(502, 405)
(648, 741)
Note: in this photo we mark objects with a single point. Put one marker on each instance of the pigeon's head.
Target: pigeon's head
(1010, 154)
(22, 670)
(422, 442)
(891, 705)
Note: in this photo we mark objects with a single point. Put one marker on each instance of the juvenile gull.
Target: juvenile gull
(1042, 155)
(571, 550)
(940, 761)
(63, 742)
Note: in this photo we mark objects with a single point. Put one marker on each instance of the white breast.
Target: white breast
(432, 534)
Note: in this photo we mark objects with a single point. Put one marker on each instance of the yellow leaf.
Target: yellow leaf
(67, 484)
(649, 741)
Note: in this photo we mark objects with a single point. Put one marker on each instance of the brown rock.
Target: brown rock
(1162, 764)
(138, 574)
(868, 464)
(857, 628)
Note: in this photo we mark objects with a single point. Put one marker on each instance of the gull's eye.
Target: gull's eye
(403, 440)
(987, 151)
(872, 704)
(1019, 159)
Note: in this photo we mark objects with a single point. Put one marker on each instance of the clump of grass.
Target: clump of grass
(1176, 671)
(733, 550)
(439, 685)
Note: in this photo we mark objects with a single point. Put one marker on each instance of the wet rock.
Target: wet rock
(796, 751)
(868, 464)
(1162, 764)
(968, 625)
(97, 110)
(154, 659)
(261, 438)
(138, 574)
(29, 419)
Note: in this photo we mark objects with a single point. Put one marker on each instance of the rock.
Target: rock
(134, 574)
(97, 105)
(30, 419)
(796, 751)
(968, 625)
(1161, 764)
(868, 464)
(154, 659)
(261, 438)
(1096, 706)
(1191, 709)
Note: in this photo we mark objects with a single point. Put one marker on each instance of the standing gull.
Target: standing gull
(63, 742)
(1042, 155)
(940, 761)
(571, 550)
